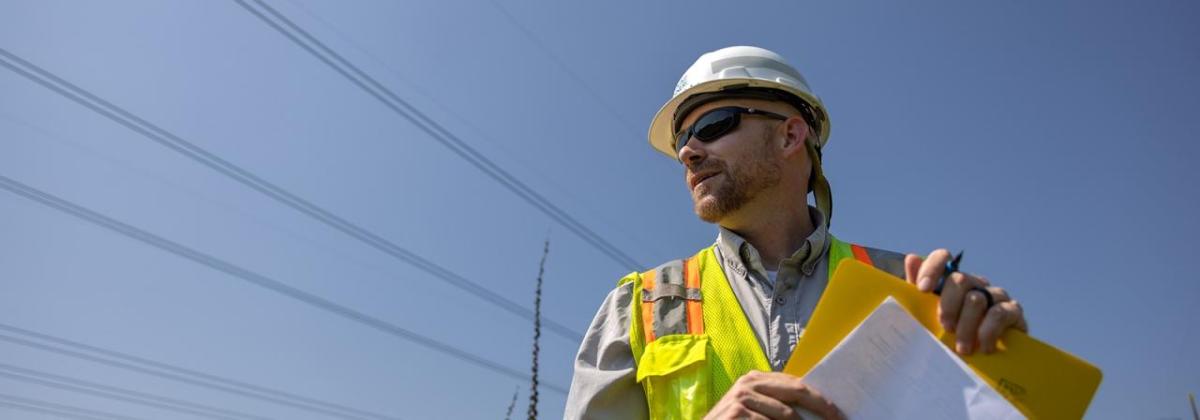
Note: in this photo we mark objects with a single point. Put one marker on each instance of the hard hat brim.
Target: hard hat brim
(661, 134)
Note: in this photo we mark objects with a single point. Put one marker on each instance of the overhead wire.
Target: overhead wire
(120, 394)
(279, 194)
(474, 131)
(176, 373)
(575, 76)
(259, 279)
(61, 410)
(372, 87)
(178, 378)
(562, 65)
(571, 73)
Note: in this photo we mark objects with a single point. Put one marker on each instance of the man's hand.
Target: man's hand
(771, 395)
(962, 310)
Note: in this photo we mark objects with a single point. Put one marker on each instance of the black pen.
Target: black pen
(951, 268)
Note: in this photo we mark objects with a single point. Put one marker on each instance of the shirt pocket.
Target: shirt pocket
(674, 371)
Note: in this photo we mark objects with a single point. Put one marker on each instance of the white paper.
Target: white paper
(891, 367)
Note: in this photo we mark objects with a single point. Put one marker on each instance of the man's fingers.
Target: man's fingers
(795, 392)
(734, 411)
(999, 318)
(998, 294)
(766, 406)
(785, 389)
(962, 310)
(767, 395)
(931, 269)
(819, 405)
(974, 306)
(912, 264)
(951, 302)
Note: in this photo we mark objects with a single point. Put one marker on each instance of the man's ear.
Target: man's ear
(796, 131)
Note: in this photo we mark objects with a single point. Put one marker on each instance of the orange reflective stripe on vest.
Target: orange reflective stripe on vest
(685, 369)
(648, 307)
(860, 254)
(695, 308)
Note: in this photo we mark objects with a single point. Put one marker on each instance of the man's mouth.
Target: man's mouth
(700, 178)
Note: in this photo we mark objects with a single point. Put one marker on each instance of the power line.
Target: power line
(178, 378)
(562, 65)
(202, 156)
(464, 150)
(179, 374)
(196, 194)
(257, 279)
(474, 130)
(580, 80)
(120, 394)
(62, 410)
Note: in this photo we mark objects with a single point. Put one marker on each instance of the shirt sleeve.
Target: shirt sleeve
(604, 385)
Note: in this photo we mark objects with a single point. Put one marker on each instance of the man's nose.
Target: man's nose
(692, 152)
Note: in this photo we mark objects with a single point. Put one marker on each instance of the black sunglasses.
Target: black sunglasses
(717, 123)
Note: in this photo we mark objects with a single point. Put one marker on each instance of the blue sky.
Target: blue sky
(1053, 142)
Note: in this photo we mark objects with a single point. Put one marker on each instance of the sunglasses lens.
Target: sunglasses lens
(714, 125)
(709, 127)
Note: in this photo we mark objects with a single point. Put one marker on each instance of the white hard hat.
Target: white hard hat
(747, 72)
(733, 69)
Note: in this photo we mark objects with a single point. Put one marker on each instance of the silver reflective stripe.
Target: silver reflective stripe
(670, 317)
(673, 291)
(891, 262)
(670, 297)
(667, 291)
(670, 273)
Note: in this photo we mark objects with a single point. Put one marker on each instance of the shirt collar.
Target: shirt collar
(804, 259)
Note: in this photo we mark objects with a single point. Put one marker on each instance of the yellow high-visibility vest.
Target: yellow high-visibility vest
(689, 335)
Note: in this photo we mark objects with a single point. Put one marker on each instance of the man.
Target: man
(707, 336)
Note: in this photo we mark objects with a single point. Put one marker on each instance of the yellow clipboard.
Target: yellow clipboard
(1039, 379)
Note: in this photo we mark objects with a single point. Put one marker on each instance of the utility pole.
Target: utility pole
(1192, 399)
(537, 332)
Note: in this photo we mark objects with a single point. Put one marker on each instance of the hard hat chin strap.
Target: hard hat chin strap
(818, 184)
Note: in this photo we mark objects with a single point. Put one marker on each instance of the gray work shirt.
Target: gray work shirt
(605, 385)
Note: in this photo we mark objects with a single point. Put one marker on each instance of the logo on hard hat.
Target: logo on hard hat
(681, 85)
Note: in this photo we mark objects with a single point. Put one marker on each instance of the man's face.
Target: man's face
(731, 171)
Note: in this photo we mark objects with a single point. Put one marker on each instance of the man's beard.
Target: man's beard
(740, 186)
